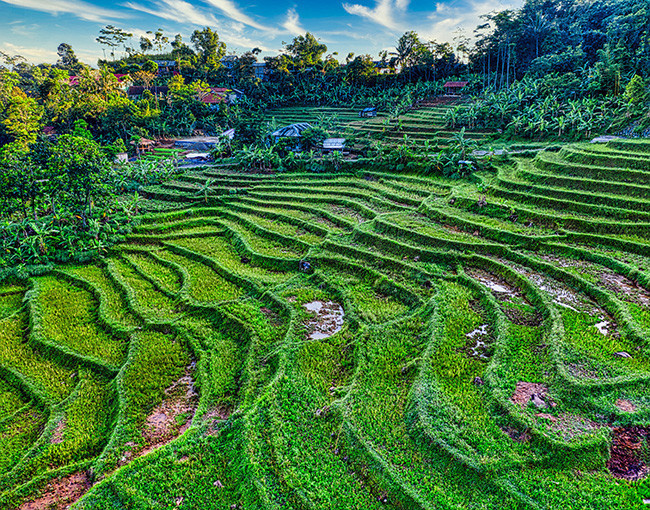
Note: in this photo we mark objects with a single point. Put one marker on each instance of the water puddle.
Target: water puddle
(513, 302)
(328, 319)
(602, 327)
(479, 342)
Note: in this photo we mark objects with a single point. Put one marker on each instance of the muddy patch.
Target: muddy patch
(495, 283)
(60, 493)
(568, 426)
(536, 393)
(582, 371)
(173, 416)
(562, 261)
(272, 316)
(327, 321)
(629, 452)
(341, 210)
(625, 289)
(479, 343)
(57, 435)
(513, 303)
(518, 436)
(214, 417)
(625, 405)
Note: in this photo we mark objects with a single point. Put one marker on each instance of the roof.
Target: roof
(369, 109)
(211, 98)
(333, 143)
(294, 130)
(455, 84)
(143, 141)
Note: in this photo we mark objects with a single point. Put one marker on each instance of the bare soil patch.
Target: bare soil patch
(526, 392)
(60, 493)
(173, 416)
(519, 436)
(582, 371)
(215, 416)
(57, 435)
(568, 425)
(625, 405)
(628, 453)
(479, 343)
(513, 302)
(625, 288)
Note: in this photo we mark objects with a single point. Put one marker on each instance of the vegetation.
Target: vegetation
(456, 314)
(485, 335)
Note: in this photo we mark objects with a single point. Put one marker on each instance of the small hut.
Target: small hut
(143, 145)
(453, 88)
(292, 131)
(368, 112)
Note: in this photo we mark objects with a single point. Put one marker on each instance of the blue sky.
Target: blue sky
(34, 28)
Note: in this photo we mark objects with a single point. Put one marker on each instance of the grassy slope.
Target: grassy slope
(401, 408)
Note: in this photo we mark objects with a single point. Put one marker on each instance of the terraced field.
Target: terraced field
(473, 345)
(425, 123)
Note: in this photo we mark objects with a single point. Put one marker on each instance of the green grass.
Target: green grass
(401, 408)
(219, 249)
(115, 303)
(261, 244)
(17, 433)
(47, 375)
(68, 318)
(149, 301)
(10, 400)
(206, 285)
(164, 276)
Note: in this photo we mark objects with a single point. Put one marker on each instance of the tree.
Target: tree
(20, 118)
(12, 60)
(210, 49)
(17, 178)
(636, 92)
(159, 40)
(145, 44)
(67, 59)
(409, 50)
(305, 50)
(82, 168)
(180, 50)
(361, 70)
(113, 37)
(537, 24)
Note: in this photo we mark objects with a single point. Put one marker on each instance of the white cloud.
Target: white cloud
(176, 10)
(33, 55)
(137, 32)
(83, 10)
(233, 12)
(24, 30)
(292, 23)
(383, 14)
(446, 19)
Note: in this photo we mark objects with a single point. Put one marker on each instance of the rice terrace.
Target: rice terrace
(284, 279)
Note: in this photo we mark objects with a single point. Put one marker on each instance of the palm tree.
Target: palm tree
(205, 189)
